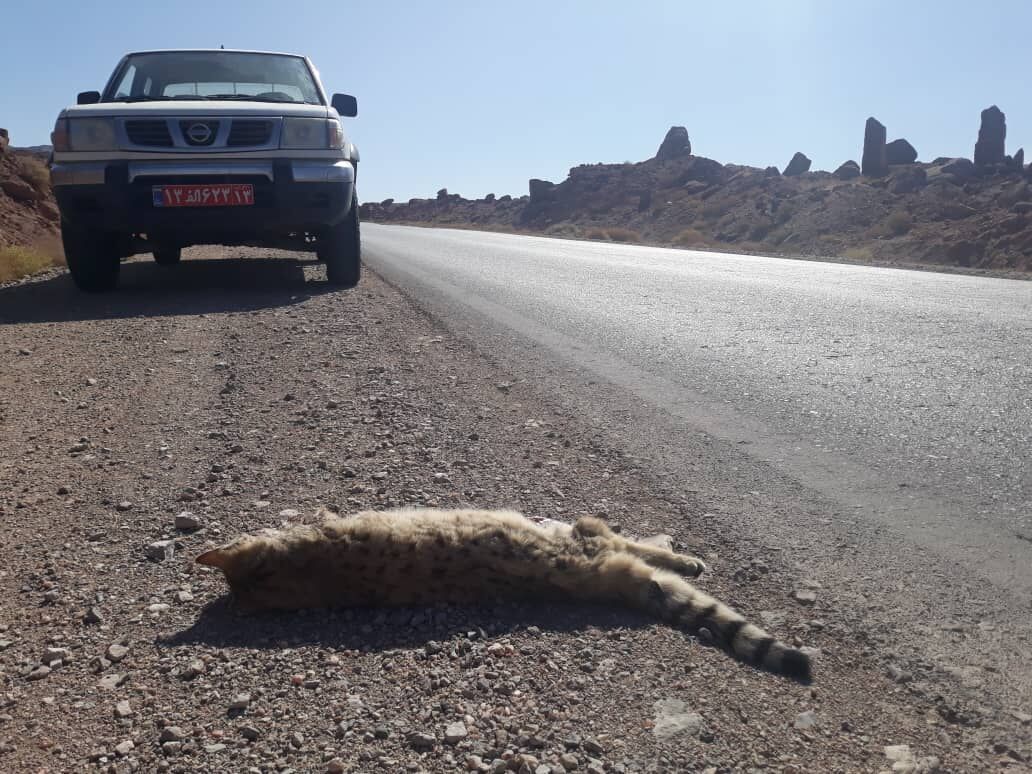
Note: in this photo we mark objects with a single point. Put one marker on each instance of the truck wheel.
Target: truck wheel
(342, 250)
(168, 256)
(92, 258)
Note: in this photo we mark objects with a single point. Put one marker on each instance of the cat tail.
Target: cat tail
(680, 603)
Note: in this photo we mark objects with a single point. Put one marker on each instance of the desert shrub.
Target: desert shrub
(34, 172)
(564, 230)
(785, 212)
(689, 237)
(858, 254)
(17, 262)
(595, 233)
(623, 235)
(898, 223)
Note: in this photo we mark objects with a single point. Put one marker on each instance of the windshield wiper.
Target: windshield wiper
(142, 98)
(250, 98)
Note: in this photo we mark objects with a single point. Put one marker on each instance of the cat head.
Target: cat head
(259, 569)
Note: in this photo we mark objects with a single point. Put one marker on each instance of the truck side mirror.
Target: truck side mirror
(345, 104)
(88, 98)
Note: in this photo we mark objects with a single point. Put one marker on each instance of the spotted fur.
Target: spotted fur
(423, 556)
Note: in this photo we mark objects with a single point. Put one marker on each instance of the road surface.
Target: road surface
(897, 403)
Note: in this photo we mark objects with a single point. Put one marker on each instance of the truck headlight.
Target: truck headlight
(88, 134)
(311, 134)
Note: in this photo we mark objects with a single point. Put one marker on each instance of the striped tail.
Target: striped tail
(680, 603)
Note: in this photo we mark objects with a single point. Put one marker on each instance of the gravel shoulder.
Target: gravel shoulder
(245, 393)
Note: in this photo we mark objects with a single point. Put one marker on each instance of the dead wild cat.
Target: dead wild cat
(422, 556)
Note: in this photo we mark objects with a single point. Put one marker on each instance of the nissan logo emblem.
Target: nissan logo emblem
(199, 134)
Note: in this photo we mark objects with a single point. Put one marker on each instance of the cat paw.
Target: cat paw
(692, 567)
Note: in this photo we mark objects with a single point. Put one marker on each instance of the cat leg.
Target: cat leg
(682, 564)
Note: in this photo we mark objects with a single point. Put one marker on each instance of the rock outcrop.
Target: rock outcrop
(540, 190)
(442, 194)
(847, 170)
(874, 162)
(5, 140)
(799, 164)
(900, 152)
(992, 138)
(1018, 162)
(675, 144)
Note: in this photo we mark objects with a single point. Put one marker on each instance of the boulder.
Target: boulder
(387, 202)
(5, 140)
(442, 194)
(847, 171)
(772, 172)
(20, 191)
(874, 162)
(505, 198)
(1018, 162)
(541, 190)
(799, 164)
(962, 169)
(704, 169)
(900, 152)
(489, 198)
(675, 144)
(908, 180)
(992, 137)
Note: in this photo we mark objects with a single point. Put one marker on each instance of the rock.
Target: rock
(455, 733)
(116, 652)
(122, 749)
(675, 144)
(593, 747)
(112, 681)
(659, 541)
(672, 717)
(289, 513)
(900, 152)
(908, 180)
(187, 521)
(1022, 717)
(847, 171)
(992, 138)
(897, 674)
(5, 140)
(1021, 208)
(1018, 162)
(194, 669)
(123, 709)
(39, 673)
(240, 702)
(772, 172)
(420, 741)
(51, 655)
(569, 761)
(874, 162)
(442, 194)
(160, 550)
(962, 169)
(541, 190)
(489, 198)
(250, 733)
(799, 164)
(124, 506)
(805, 720)
(804, 596)
(387, 202)
(335, 766)
(48, 211)
(19, 190)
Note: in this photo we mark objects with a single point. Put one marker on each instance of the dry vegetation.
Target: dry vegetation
(614, 234)
(34, 172)
(18, 262)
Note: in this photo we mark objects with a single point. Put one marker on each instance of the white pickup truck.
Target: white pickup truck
(206, 147)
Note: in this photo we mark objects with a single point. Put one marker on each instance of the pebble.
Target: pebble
(296, 739)
(56, 654)
(592, 746)
(112, 681)
(289, 513)
(569, 761)
(240, 701)
(39, 673)
(172, 734)
(123, 709)
(335, 766)
(250, 733)
(214, 748)
(117, 651)
(804, 596)
(124, 748)
(160, 550)
(187, 521)
(672, 717)
(184, 596)
(455, 733)
(194, 669)
(805, 720)
(92, 616)
(421, 741)
(124, 506)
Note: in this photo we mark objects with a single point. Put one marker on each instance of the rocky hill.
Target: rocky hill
(28, 214)
(888, 208)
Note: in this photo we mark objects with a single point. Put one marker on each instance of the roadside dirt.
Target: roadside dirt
(247, 394)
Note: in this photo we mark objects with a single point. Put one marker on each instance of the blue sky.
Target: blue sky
(481, 96)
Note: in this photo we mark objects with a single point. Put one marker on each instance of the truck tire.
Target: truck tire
(168, 256)
(92, 257)
(341, 250)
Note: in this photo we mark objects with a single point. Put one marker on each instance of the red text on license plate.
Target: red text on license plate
(214, 195)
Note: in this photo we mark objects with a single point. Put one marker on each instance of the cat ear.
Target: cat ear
(216, 557)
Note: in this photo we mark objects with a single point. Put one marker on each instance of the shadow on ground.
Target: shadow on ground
(195, 286)
(220, 625)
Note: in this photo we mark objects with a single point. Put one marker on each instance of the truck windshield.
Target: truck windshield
(168, 75)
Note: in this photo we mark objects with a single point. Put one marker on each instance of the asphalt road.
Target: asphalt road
(903, 397)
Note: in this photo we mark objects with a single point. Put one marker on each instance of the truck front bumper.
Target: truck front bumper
(290, 196)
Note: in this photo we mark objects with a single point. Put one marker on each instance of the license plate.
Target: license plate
(213, 195)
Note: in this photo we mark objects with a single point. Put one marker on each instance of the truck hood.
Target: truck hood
(201, 107)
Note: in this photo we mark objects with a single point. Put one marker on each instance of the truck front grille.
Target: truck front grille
(149, 132)
(249, 132)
